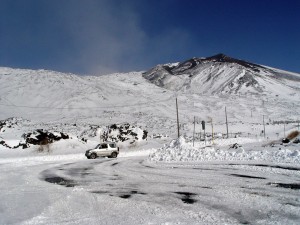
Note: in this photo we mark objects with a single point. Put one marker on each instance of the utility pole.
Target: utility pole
(177, 119)
(212, 131)
(194, 130)
(100, 136)
(203, 128)
(264, 126)
(226, 122)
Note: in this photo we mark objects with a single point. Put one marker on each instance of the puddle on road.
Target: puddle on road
(247, 176)
(60, 181)
(206, 187)
(128, 195)
(279, 167)
(124, 195)
(186, 197)
(294, 186)
(269, 166)
(100, 192)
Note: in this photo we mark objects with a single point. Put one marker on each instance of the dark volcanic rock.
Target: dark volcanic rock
(124, 132)
(41, 137)
(192, 63)
(218, 74)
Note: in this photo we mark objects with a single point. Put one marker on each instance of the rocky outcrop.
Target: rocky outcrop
(219, 74)
(41, 137)
(124, 132)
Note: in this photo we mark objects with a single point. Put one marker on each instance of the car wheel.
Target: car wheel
(93, 156)
(114, 155)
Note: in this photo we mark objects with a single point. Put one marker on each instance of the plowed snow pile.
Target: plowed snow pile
(179, 150)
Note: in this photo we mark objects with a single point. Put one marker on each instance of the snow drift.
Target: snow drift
(180, 150)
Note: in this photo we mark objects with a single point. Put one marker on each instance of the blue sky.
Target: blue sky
(104, 36)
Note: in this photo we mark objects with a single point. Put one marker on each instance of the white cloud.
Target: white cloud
(104, 38)
(108, 37)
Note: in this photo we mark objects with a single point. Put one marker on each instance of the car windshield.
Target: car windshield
(98, 145)
(112, 145)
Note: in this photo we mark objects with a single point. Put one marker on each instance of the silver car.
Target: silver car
(106, 149)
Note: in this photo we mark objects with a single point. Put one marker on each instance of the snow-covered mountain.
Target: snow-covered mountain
(221, 74)
(203, 86)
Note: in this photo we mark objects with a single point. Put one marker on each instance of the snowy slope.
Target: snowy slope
(221, 74)
(204, 86)
(47, 94)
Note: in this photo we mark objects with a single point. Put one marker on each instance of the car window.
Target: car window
(112, 145)
(104, 145)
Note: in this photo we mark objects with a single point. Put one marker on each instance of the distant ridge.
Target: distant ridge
(220, 74)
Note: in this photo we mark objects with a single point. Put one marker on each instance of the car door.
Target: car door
(102, 151)
(111, 147)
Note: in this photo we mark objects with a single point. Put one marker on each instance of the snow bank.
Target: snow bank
(179, 150)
